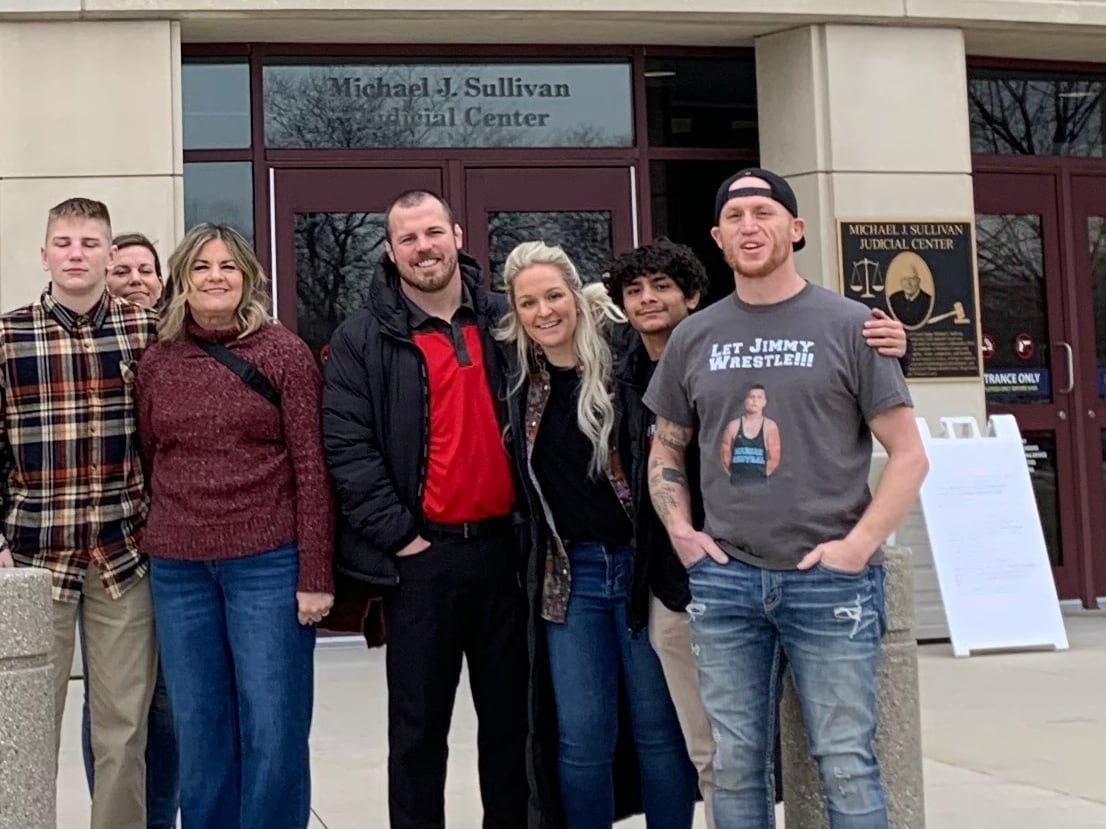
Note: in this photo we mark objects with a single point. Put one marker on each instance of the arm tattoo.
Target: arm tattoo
(674, 476)
(664, 503)
(669, 490)
(668, 484)
(669, 443)
(673, 437)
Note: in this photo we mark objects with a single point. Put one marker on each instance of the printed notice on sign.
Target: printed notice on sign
(921, 273)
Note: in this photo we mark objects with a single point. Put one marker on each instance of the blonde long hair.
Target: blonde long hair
(252, 311)
(594, 313)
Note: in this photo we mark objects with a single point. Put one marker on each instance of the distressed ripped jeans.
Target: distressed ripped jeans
(746, 623)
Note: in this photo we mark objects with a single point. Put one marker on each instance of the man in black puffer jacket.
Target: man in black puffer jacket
(413, 416)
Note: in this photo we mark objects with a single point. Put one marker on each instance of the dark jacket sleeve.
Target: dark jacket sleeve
(366, 493)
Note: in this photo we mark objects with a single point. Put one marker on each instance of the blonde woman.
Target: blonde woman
(239, 535)
(558, 328)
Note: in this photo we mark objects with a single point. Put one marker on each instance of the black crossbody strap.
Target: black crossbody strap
(245, 370)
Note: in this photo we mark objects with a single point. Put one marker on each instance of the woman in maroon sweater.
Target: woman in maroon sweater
(239, 535)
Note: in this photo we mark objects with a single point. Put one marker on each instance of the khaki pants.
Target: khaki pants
(122, 665)
(670, 636)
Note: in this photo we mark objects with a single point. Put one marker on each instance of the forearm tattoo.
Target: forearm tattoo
(673, 437)
(669, 490)
(674, 476)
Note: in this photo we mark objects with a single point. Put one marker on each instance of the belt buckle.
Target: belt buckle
(465, 533)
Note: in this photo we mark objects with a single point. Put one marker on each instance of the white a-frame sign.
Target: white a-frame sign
(988, 547)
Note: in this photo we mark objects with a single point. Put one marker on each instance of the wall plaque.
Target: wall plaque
(921, 272)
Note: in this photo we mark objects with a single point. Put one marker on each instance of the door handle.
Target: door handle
(1071, 367)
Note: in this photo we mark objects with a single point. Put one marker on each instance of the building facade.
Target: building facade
(605, 124)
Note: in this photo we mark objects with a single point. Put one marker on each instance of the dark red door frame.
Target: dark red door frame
(492, 189)
(640, 154)
(1036, 194)
(1078, 183)
(332, 191)
(474, 191)
(1088, 198)
(1077, 292)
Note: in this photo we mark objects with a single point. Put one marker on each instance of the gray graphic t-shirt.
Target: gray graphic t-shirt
(783, 395)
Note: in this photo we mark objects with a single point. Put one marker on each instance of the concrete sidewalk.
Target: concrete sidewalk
(1012, 741)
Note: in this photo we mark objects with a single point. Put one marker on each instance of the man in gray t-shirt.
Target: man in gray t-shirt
(783, 394)
(786, 397)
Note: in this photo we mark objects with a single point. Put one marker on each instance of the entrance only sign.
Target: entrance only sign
(985, 532)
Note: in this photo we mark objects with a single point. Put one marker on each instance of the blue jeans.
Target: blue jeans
(162, 794)
(591, 654)
(745, 622)
(240, 673)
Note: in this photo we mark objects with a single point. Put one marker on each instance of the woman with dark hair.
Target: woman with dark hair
(135, 272)
(239, 535)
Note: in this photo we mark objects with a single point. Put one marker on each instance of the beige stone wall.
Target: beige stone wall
(1043, 29)
(872, 122)
(862, 131)
(89, 109)
(1080, 12)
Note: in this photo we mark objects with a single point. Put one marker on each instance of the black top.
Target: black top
(585, 508)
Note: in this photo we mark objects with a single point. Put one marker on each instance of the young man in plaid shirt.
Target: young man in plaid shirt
(72, 499)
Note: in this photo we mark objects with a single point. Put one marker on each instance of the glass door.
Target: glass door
(586, 210)
(1028, 348)
(1088, 206)
(329, 231)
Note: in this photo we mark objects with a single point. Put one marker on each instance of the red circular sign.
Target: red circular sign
(1024, 346)
(988, 346)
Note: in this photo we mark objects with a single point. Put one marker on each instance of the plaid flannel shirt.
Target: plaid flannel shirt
(73, 488)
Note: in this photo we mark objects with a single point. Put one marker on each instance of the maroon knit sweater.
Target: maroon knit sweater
(230, 475)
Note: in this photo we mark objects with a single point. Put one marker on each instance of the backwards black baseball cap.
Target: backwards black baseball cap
(778, 190)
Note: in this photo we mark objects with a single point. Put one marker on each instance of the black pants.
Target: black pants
(459, 597)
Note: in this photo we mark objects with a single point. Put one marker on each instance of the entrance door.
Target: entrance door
(329, 227)
(329, 231)
(1088, 223)
(1028, 355)
(1041, 240)
(586, 210)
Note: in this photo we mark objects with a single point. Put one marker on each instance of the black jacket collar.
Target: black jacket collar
(633, 367)
(387, 303)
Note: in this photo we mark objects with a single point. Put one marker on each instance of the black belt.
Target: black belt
(472, 529)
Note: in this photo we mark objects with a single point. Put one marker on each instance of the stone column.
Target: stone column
(28, 762)
(89, 108)
(898, 732)
(871, 123)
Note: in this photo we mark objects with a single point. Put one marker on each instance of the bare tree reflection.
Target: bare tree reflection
(1012, 285)
(585, 236)
(1035, 115)
(1096, 228)
(318, 106)
(336, 256)
(303, 111)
